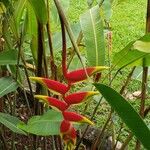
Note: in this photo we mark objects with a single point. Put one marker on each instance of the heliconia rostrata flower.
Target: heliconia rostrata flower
(52, 85)
(79, 97)
(67, 131)
(74, 117)
(80, 74)
(53, 102)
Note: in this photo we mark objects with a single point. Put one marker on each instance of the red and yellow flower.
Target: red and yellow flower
(67, 131)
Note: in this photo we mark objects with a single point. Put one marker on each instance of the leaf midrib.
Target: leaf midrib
(95, 37)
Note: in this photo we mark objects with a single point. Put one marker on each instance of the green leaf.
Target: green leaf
(47, 124)
(8, 57)
(19, 8)
(7, 85)
(32, 22)
(136, 53)
(142, 46)
(11, 122)
(126, 113)
(128, 56)
(40, 10)
(92, 28)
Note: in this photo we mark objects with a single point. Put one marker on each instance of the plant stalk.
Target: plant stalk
(70, 33)
(64, 51)
(39, 70)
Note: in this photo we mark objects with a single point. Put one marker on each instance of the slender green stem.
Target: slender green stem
(39, 72)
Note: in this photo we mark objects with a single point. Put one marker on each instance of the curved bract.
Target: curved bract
(79, 97)
(74, 117)
(52, 85)
(81, 75)
(53, 102)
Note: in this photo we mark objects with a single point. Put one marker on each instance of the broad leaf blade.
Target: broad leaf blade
(40, 10)
(47, 124)
(92, 28)
(136, 53)
(127, 113)
(8, 57)
(11, 122)
(128, 56)
(7, 85)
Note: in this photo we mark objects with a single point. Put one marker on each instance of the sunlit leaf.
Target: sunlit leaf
(127, 113)
(136, 53)
(142, 46)
(128, 56)
(92, 28)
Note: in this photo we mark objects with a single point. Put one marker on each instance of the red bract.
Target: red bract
(74, 117)
(53, 102)
(79, 97)
(80, 74)
(68, 132)
(52, 85)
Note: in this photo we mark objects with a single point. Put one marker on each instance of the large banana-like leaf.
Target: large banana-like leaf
(127, 113)
(92, 28)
